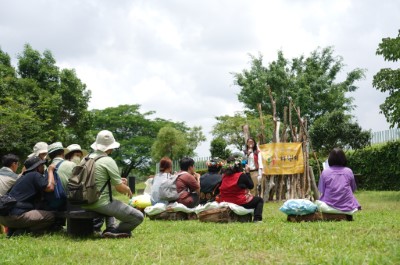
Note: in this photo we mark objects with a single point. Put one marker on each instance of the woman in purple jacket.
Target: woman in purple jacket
(337, 184)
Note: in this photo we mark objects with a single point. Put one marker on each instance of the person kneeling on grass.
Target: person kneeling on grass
(106, 168)
(235, 188)
(337, 185)
(24, 217)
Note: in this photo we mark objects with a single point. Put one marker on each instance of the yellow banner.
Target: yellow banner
(282, 158)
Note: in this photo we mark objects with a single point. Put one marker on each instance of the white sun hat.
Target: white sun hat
(54, 147)
(39, 148)
(75, 147)
(105, 141)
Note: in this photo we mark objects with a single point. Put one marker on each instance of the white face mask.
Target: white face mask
(76, 160)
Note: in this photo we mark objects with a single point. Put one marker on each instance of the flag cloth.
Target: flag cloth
(282, 158)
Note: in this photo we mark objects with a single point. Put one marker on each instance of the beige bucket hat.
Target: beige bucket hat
(104, 141)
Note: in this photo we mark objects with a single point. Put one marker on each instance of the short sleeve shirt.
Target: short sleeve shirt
(28, 187)
(105, 168)
(64, 170)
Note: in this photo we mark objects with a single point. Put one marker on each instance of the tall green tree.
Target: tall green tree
(219, 148)
(40, 102)
(326, 134)
(388, 80)
(310, 81)
(170, 142)
(58, 96)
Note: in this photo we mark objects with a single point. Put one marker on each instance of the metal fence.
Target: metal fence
(385, 136)
(199, 162)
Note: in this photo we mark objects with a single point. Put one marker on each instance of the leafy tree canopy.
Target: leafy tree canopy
(40, 102)
(309, 81)
(388, 80)
(230, 128)
(133, 130)
(218, 148)
(337, 129)
(170, 142)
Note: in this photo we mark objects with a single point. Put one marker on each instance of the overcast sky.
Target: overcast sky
(176, 57)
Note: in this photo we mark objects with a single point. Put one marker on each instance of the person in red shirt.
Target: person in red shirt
(235, 188)
(188, 183)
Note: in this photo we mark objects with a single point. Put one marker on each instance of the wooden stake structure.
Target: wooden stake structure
(294, 186)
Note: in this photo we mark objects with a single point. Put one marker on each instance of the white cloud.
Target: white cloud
(175, 57)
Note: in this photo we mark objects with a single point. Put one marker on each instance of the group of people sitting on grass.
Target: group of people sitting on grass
(35, 188)
(36, 191)
(231, 181)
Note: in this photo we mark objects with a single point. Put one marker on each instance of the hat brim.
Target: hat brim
(38, 153)
(52, 151)
(103, 148)
(84, 152)
(34, 166)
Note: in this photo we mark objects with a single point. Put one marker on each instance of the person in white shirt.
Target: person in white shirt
(254, 161)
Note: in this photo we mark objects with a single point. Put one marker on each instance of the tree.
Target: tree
(337, 129)
(170, 142)
(194, 137)
(218, 148)
(388, 80)
(40, 102)
(134, 130)
(230, 129)
(310, 82)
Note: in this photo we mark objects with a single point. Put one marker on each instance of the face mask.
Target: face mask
(76, 160)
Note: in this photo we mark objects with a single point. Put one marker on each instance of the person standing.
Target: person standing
(8, 175)
(254, 161)
(106, 169)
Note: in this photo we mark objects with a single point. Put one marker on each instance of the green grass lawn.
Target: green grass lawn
(372, 238)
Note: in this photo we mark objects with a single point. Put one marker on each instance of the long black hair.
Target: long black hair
(254, 146)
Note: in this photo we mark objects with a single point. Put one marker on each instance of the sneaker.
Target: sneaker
(116, 235)
(258, 221)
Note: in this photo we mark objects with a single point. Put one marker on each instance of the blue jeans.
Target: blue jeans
(128, 216)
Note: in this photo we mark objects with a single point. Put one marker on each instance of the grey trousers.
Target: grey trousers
(128, 216)
(35, 220)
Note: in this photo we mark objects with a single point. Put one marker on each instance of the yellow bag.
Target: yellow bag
(140, 201)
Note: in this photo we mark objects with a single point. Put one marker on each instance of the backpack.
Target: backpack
(59, 191)
(7, 202)
(168, 191)
(56, 199)
(82, 189)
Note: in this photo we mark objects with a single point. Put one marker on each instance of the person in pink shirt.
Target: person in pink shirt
(337, 184)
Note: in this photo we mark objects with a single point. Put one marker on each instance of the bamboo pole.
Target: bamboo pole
(262, 135)
(314, 187)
